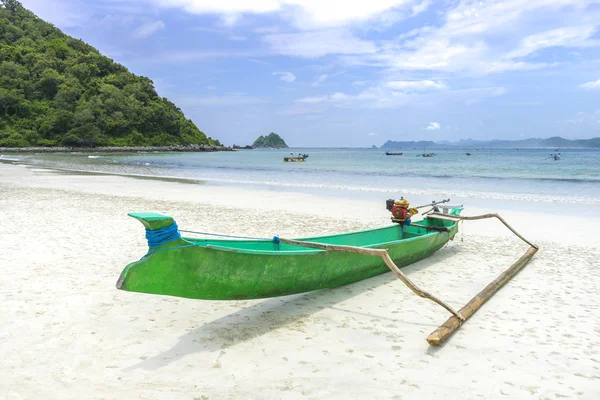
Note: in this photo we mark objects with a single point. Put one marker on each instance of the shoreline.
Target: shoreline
(113, 149)
(566, 207)
(208, 148)
(314, 203)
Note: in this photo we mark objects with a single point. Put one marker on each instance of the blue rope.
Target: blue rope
(166, 235)
(162, 236)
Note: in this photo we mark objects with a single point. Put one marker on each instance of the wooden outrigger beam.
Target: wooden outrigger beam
(441, 334)
(452, 217)
(383, 253)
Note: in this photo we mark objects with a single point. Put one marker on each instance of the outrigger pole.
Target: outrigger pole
(383, 253)
(441, 334)
(458, 317)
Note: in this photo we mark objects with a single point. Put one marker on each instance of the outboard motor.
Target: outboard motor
(401, 213)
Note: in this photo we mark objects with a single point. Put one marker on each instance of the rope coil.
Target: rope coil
(162, 236)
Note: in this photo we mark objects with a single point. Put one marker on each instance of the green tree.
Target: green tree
(55, 89)
(49, 82)
(11, 5)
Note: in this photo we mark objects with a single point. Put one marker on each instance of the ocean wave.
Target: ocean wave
(7, 158)
(411, 187)
(383, 173)
(422, 192)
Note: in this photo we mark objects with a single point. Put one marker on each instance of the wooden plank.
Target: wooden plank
(442, 333)
(383, 253)
(477, 217)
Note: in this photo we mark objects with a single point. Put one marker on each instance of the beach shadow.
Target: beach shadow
(260, 318)
(364, 314)
(432, 350)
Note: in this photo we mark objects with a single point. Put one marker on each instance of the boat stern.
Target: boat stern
(162, 234)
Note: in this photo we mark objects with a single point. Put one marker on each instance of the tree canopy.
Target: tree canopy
(271, 140)
(56, 90)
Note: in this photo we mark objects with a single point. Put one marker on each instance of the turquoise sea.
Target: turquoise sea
(526, 174)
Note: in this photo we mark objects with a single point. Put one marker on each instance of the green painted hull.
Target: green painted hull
(254, 269)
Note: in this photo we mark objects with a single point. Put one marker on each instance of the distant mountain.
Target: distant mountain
(553, 142)
(560, 142)
(272, 140)
(390, 144)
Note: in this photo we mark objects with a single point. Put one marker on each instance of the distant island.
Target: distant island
(56, 91)
(553, 142)
(272, 140)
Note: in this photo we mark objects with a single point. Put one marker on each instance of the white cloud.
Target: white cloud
(464, 38)
(467, 39)
(300, 109)
(384, 97)
(255, 61)
(372, 134)
(433, 126)
(420, 7)
(591, 85)
(337, 97)
(186, 56)
(225, 100)
(230, 20)
(306, 14)
(318, 43)
(588, 118)
(238, 38)
(416, 86)
(571, 36)
(286, 76)
(322, 78)
(148, 29)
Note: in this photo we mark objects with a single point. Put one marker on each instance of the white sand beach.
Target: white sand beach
(66, 332)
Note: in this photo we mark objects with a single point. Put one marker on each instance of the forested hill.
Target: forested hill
(58, 91)
(272, 140)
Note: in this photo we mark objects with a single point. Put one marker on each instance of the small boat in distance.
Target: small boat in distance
(426, 155)
(468, 154)
(292, 158)
(391, 153)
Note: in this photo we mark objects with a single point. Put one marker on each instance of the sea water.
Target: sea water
(526, 174)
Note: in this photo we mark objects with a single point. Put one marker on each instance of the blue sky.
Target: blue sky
(353, 74)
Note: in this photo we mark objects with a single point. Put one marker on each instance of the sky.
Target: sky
(356, 73)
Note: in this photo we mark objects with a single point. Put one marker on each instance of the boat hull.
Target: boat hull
(207, 270)
(294, 159)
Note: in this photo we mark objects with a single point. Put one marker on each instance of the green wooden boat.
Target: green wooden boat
(217, 269)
